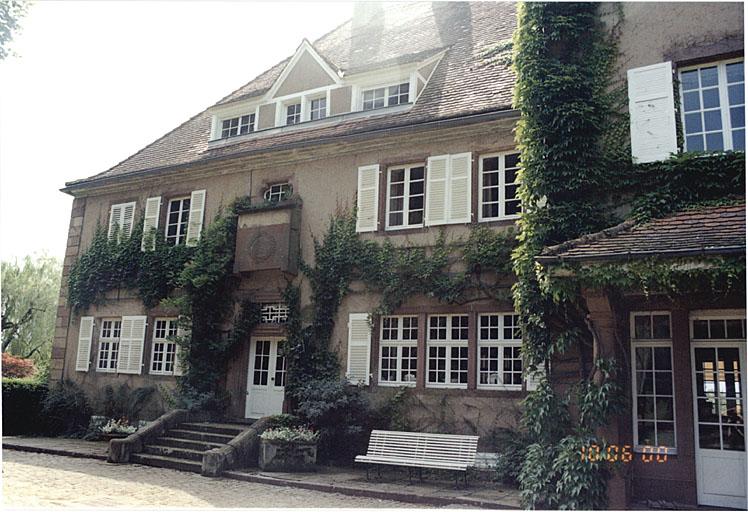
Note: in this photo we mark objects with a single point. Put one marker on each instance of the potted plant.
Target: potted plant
(288, 449)
(117, 429)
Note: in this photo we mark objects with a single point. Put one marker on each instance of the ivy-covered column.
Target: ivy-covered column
(563, 60)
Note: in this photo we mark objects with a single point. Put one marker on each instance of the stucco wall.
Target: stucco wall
(305, 75)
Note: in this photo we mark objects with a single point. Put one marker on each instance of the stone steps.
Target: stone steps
(182, 448)
(161, 461)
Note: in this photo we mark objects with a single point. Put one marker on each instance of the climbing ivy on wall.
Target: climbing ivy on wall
(563, 60)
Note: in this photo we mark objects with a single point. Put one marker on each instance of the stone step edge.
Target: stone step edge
(142, 458)
(52, 451)
(183, 440)
(179, 430)
(368, 493)
(177, 451)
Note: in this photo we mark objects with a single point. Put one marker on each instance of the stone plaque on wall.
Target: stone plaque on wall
(268, 239)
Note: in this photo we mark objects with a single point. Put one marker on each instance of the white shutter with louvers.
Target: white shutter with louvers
(195, 223)
(115, 218)
(150, 223)
(128, 218)
(652, 111)
(359, 348)
(437, 176)
(132, 338)
(85, 335)
(367, 210)
(459, 188)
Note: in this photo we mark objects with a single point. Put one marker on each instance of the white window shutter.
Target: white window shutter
(437, 175)
(460, 170)
(195, 223)
(150, 223)
(367, 208)
(128, 218)
(652, 111)
(359, 348)
(85, 335)
(132, 338)
(115, 218)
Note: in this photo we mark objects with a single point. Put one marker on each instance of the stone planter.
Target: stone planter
(287, 457)
(112, 435)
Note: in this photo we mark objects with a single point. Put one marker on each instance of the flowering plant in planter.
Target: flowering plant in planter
(288, 449)
(290, 435)
(120, 426)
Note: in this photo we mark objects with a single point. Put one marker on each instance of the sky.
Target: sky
(93, 82)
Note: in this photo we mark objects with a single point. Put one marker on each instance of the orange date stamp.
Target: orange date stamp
(615, 453)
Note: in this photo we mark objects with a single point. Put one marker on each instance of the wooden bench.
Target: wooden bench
(420, 450)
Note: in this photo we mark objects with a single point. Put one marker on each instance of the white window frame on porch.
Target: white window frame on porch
(184, 219)
(502, 185)
(102, 355)
(651, 343)
(166, 343)
(398, 343)
(406, 196)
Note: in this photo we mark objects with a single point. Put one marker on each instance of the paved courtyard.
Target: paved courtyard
(41, 480)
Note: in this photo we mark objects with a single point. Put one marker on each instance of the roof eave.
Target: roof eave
(673, 253)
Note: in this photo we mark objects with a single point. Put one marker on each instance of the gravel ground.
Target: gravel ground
(40, 480)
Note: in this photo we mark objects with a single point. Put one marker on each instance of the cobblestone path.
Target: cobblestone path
(40, 480)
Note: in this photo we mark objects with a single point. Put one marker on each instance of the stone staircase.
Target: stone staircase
(182, 448)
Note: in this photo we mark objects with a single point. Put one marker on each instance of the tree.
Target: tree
(11, 11)
(29, 306)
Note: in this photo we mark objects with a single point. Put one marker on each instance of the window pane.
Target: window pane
(642, 327)
(664, 409)
(645, 408)
(644, 383)
(709, 437)
(707, 410)
(708, 76)
(662, 358)
(704, 359)
(712, 121)
(646, 433)
(691, 101)
(663, 383)
(710, 97)
(661, 326)
(666, 434)
(693, 123)
(735, 329)
(511, 160)
(714, 142)
(736, 94)
(738, 140)
(717, 329)
(700, 329)
(733, 437)
(643, 358)
(695, 143)
(735, 72)
(689, 80)
(737, 117)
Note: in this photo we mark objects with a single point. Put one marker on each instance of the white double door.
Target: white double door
(266, 378)
(719, 417)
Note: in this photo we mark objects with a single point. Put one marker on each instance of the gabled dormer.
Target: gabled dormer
(312, 91)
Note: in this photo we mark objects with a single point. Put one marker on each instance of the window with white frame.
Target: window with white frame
(405, 188)
(386, 96)
(652, 380)
(163, 358)
(293, 113)
(499, 345)
(273, 313)
(177, 219)
(498, 186)
(109, 345)
(318, 108)
(277, 192)
(398, 350)
(237, 126)
(447, 351)
(713, 105)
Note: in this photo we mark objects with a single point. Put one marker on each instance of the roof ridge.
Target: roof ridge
(552, 250)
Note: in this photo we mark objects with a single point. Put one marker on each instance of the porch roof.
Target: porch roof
(700, 231)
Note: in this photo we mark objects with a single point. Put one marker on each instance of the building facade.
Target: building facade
(398, 114)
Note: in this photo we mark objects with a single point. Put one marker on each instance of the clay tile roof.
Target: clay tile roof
(705, 230)
(461, 85)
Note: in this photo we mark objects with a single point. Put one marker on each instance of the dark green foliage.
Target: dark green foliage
(208, 304)
(109, 265)
(340, 412)
(22, 406)
(126, 402)
(284, 420)
(66, 410)
(511, 445)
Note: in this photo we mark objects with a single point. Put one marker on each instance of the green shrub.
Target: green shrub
(126, 402)
(340, 412)
(66, 410)
(284, 421)
(22, 406)
(511, 445)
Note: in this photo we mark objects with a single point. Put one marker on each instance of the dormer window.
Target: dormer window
(386, 96)
(318, 108)
(237, 126)
(293, 113)
(278, 192)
